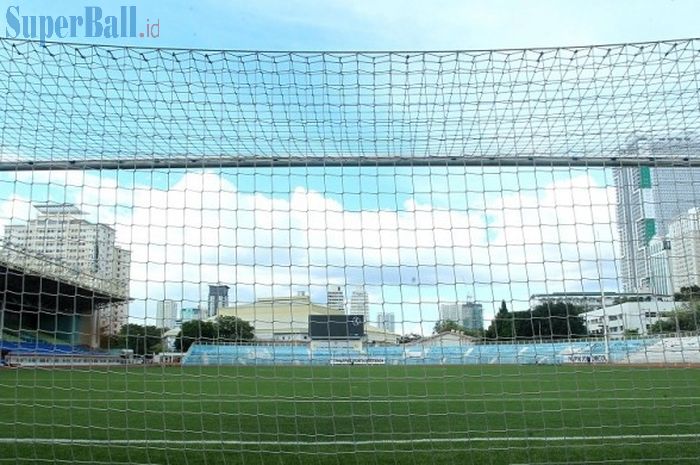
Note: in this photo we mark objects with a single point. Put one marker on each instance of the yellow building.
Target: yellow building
(287, 319)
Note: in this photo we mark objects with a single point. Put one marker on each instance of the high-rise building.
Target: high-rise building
(190, 314)
(359, 303)
(684, 243)
(648, 199)
(115, 315)
(335, 299)
(62, 235)
(122, 267)
(386, 321)
(450, 312)
(660, 265)
(472, 316)
(166, 314)
(218, 298)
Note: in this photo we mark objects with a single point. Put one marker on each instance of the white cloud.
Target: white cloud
(203, 230)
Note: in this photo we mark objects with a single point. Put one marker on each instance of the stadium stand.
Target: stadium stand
(517, 353)
(684, 349)
(38, 347)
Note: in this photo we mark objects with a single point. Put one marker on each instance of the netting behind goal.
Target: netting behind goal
(305, 257)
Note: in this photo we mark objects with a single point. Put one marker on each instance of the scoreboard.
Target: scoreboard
(348, 327)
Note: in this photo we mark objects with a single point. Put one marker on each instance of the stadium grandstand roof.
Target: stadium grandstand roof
(54, 208)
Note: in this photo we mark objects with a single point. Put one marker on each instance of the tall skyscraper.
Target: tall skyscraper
(359, 303)
(660, 265)
(61, 234)
(648, 199)
(386, 321)
(335, 298)
(472, 316)
(450, 312)
(218, 298)
(115, 315)
(166, 314)
(684, 245)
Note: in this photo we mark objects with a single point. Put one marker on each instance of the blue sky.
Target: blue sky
(528, 231)
(399, 25)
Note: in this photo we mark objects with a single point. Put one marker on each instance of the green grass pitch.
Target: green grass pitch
(351, 415)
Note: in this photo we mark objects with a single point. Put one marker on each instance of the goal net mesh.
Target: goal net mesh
(349, 257)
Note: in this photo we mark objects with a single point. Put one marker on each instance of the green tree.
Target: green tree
(406, 338)
(224, 329)
(503, 326)
(622, 300)
(110, 341)
(687, 294)
(549, 320)
(446, 325)
(231, 328)
(683, 319)
(192, 331)
(141, 339)
(442, 326)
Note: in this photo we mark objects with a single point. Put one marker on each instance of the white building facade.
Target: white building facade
(166, 314)
(660, 266)
(335, 298)
(359, 303)
(684, 241)
(287, 319)
(636, 317)
(450, 312)
(386, 321)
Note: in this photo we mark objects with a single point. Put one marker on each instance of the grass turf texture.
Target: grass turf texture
(351, 415)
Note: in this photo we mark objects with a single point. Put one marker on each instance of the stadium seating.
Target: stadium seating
(510, 353)
(37, 347)
(668, 350)
(649, 350)
(211, 354)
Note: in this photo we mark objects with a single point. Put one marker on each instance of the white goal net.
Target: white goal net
(344, 257)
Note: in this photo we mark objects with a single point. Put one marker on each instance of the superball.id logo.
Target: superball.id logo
(93, 23)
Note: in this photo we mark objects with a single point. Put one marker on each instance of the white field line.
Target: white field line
(674, 460)
(370, 442)
(397, 400)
